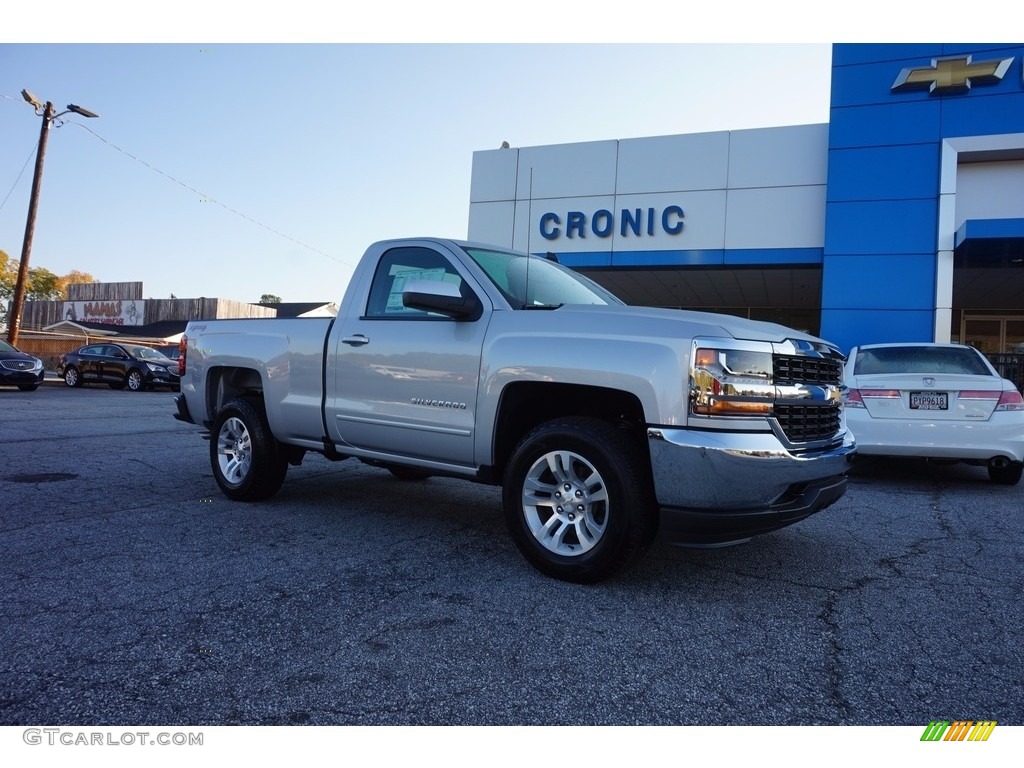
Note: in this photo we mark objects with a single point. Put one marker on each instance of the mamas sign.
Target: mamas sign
(130, 312)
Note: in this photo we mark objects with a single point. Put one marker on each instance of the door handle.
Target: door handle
(356, 341)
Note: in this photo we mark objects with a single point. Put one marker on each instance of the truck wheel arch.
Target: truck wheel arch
(525, 405)
(225, 383)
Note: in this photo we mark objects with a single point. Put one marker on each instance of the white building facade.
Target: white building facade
(901, 219)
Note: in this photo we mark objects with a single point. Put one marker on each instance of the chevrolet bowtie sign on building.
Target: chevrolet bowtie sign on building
(900, 220)
(953, 75)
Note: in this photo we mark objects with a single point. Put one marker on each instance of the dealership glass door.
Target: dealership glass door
(993, 334)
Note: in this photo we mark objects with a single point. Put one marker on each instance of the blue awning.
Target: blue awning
(989, 230)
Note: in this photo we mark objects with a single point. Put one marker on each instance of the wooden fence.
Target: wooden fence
(48, 346)
(104, 291)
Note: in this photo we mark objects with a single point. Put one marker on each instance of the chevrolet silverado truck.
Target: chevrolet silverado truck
(603, 423)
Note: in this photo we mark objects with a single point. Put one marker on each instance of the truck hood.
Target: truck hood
(684, 322)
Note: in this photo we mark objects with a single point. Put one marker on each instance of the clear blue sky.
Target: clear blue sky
(335, 145)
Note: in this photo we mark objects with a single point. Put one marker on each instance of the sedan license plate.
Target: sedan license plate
(929, 401)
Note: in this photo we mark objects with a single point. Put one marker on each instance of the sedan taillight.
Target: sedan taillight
(855, 397)
(979, 394)
(1010, 400)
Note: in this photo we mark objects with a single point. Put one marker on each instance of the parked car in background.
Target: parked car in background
(940, 401)
(172, 351)
(134, 366)
(19, 369)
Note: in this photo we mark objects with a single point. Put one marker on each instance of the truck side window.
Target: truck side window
(395, 269)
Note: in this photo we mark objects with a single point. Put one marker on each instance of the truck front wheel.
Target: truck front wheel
(578, 499)
(247, 461)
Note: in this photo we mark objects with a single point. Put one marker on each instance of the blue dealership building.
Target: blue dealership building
(901, 219)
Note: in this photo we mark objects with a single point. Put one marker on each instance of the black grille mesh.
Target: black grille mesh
(806, 423)
(806, 370)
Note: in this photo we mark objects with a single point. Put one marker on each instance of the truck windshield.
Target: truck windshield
(532, 282)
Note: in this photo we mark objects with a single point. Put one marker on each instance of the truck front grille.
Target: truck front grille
(806, 370)
(807, 423)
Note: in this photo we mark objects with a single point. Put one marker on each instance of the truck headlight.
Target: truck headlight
(731, 382)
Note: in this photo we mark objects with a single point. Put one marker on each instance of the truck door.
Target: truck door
(405, 380)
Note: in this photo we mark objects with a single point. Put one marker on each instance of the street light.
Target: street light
(31, 99)
(80, 111)
(48, 114)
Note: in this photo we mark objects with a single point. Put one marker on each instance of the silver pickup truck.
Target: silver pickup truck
(603, 423)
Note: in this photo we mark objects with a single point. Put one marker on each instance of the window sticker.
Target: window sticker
(401, 275)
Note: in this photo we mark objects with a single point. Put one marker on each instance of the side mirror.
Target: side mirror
(441, 297)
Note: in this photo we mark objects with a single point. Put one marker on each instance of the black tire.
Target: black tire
(28, 387)
(72, 376)
(409, 474)
(604, 472)
(248, 462)
(1008, 475)
(134, 381)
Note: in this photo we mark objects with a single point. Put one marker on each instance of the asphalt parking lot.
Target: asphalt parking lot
(135, 594)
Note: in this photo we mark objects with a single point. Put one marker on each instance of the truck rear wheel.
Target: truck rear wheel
(248, 462)
(578, 499)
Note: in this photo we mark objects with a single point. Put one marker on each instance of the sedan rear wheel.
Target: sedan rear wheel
(1009, 474)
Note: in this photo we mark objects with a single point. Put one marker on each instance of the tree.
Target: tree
(8, 277)
(41, 285)
(71, 278)
(269, 298)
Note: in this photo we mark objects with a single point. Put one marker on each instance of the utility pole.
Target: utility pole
(48, 114)
(14, 318)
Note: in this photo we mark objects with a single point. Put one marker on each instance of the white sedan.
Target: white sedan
(942, 401)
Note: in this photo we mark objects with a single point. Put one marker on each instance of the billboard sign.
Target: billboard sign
(129, 312)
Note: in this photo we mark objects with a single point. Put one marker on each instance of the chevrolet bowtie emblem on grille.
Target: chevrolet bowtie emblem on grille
(953, 75)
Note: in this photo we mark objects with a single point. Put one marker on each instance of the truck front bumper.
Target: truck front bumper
(724, 487)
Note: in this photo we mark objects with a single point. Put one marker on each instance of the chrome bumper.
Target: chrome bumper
(716, 487)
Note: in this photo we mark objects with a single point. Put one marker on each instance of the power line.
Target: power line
(203, 195)
(28, 159)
